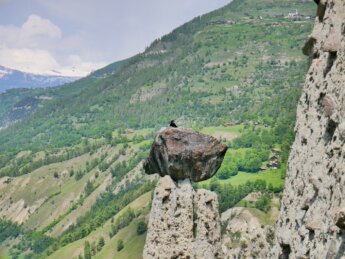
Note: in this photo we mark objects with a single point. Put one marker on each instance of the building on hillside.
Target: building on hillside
(275, 151)
(273, 162)
(296, 16)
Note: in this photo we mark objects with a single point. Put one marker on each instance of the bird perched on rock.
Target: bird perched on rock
(317, 1)
(173, 124)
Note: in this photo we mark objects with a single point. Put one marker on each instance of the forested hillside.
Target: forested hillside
(71, 176)
(228, 66)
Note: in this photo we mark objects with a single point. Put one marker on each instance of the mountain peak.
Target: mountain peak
(12, 78)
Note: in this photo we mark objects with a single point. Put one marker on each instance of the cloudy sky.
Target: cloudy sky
(74, 37)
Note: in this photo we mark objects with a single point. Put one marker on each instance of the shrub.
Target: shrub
(87, 250)
(270, 236)
(120, 245)
(227, 170)
(100, 244)
(141, 228)
(263, 203)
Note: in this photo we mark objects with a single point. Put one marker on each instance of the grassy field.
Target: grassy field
(133, 244)
(128, 234)
(70, 191)
(3, 256)
(233, 129)
(35, 188)
(270, 176)
(268, 218)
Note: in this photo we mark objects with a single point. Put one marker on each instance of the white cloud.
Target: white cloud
(117, 29)
(37, 26)
(34, 32)
(81, 35)
(26, 59)
(34, 47)
(42, 62)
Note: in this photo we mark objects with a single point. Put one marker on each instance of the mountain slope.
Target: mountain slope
(16, 104)
(224, 67)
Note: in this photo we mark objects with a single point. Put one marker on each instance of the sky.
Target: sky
(75, 37)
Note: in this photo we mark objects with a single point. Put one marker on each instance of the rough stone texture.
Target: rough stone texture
(207, 242)
(185, 154)
(312, 217)
(244, 235)
(183, 223)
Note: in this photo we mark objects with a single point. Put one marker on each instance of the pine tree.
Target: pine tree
(87, 250)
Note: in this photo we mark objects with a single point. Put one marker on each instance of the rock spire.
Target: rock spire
(184, 223)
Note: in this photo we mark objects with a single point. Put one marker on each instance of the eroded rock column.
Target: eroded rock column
(207, 241)
(311, 222)
(184, 223)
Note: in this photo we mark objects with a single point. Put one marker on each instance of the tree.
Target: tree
(263, 203)
(87, 250)
(93, 248)
(79, 174)
(88, 188)
(120, 245)
(100, 244)
(141, 228)
(214, 184)
(227, 170)
(108, 135)
(252, 162)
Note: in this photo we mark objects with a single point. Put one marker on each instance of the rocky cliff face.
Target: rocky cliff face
(312, 216)
(184, 223)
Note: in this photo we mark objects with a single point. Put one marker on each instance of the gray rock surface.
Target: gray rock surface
(207, 240)
(311, 222)
(185, 154)
(245, 234)
(183, 223)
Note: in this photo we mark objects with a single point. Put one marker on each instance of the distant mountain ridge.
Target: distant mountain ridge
(11, 78)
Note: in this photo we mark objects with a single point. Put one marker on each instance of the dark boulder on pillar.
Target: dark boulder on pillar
(185, 154)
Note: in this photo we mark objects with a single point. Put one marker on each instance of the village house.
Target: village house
(296, 16)
(273, 162)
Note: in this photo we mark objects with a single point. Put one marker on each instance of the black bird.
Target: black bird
(317, 1)
(173, 124)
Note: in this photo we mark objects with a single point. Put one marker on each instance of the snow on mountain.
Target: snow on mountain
(10, 78)
(4, 71)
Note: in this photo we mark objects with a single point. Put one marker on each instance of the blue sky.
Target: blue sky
(74, 37)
